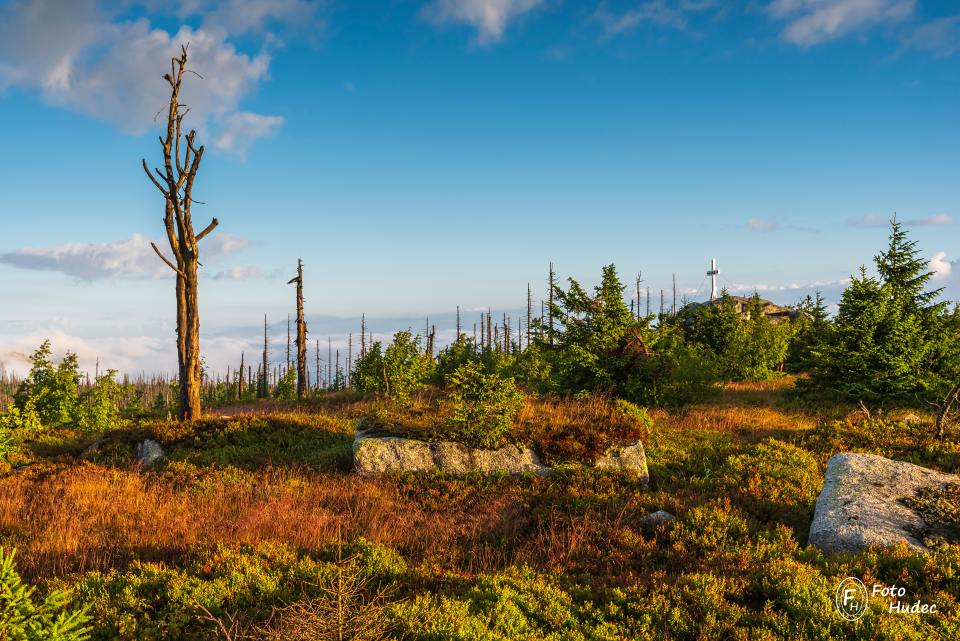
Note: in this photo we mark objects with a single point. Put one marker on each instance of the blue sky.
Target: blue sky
(425, 154)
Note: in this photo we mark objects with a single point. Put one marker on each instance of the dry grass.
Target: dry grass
(91, 517)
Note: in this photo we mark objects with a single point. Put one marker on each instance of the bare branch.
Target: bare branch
(164, 259)
(154, 180)
(209, 228)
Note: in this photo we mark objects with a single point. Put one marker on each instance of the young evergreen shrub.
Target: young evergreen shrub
(758, 347)
(483, 406)
(52, 390)
(286, 389)
(396, 373)
(22, 618)
(812, 330)
(681, 373)
(892, 339)
(452, 357)
(100, 406)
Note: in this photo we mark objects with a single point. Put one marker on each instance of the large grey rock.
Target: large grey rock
(861, 503)
(149, 452)
(656, 518)
(384, 454)
(630, 458)
(381, 455)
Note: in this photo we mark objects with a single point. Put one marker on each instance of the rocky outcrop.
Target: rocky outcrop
(149, 452)
(384, 454)
(862, 503)
(659, 517)
(630, 458)
(374, 455)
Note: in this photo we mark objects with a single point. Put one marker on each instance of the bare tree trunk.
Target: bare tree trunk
(638, 296)
(945, 409)
(431, 334)
(264, 380)
(489, 332)
(240, 380)
(529, 314)
(176, 182)
(550, 305)
(301, 334)
(363, 335)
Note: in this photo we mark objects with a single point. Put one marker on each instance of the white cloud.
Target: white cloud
(812, 22)
(242, 128)
(127, 354)
(870, 220)
(490, 18)
(937, 219)
(130, 258)
(79, 55)
(940, 37)
(761, 224)
(254, 16)
(662, 13)
(241, 272)
(942, 268)
(874, 220)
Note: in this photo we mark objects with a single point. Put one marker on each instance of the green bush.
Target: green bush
(286, 389)
(758, 348)
(396, 373)
(100, 406)
(15, 424)
(681, 373)
(893, 340)
(452, 357)
(52, 390)
(483, 406)
(50, 397)
(23, 618)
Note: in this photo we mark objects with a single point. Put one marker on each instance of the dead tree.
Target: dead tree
(288, 337)
(319, 371)
(529, 313)
(176, 182)
(264, 382)
(363, 335)
(301, 334)
(945, 409)
(240, 380)
(553, 282)
(489, 331)
(639, 280)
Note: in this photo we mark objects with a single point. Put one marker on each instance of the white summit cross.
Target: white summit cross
(713, 278)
